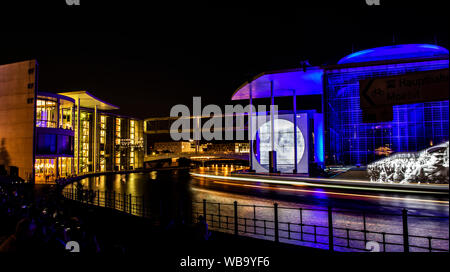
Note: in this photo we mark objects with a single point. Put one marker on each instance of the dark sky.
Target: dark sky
(147, 59)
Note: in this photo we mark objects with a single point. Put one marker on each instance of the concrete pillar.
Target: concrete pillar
(58, 107)
(272, 124)
(273, 153)
(57, 167)
(57, 112)
(250, 127)
(295, 131)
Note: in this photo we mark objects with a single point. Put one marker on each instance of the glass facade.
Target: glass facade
(65, 147)
(414, 126)
(102, 142)
(66, 117)
(46, 144)
(54, 140)
(46, 112)
(54, 144)
(132, 138)
(45, 169)
(53, 112)
(117, 143)
(84, 157)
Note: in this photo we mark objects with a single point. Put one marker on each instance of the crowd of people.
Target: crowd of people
(43, 223)
(39, 224)
(424, 167)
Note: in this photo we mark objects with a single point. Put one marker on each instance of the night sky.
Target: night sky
(146, 60)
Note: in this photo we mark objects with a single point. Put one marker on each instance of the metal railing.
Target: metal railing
(127, 203)
(327, 228)
(329, 234)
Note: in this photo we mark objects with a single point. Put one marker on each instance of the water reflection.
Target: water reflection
(166, 193)
(174, 195)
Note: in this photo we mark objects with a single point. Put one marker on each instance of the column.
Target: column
(58, 107)
(72, 119)
(95, 153)
(57, 167)
(78, 136)
(295, 131)
(57, 112)
(272, 153)
(250, 127)
(272, 103)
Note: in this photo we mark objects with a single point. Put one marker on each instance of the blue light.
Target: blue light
(430, 46)
(359, 53)
(319, 149)
(414, 126)
(307, 82)
(404, 51)
(320, 194)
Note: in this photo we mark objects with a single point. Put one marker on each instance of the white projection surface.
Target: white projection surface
(283, 145)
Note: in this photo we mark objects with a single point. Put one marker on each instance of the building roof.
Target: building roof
(305, 82)
(87, 100)
(63, 97)
(393, 52)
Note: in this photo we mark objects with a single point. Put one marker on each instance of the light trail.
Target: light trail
(335, 179)
(296, 183)
(299, 183)
(433, 202)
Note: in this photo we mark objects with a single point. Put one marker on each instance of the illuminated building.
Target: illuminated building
(299, 149)
(174, 147)
(50, 135)
(158, 129)
(349, 140)
(341, 136)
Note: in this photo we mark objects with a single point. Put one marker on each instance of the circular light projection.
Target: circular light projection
(283, 143)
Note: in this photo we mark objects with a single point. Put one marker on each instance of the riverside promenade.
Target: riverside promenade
(122, 232)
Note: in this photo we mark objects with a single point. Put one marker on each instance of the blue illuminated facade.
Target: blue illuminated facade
(340, 135)
(414, 126)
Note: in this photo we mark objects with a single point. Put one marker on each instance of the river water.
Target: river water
(175, 194)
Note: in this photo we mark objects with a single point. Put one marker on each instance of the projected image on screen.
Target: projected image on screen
(283, 143)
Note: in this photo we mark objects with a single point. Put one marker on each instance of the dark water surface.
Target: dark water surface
(175, 194)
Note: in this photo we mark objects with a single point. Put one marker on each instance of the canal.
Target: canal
(302, 212)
